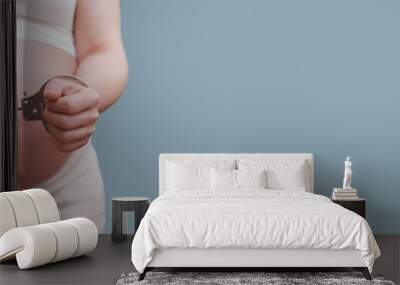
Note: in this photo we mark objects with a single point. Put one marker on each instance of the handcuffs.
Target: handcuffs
(32, 107)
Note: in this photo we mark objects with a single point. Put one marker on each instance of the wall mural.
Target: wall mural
(205, 76)
(62, 68)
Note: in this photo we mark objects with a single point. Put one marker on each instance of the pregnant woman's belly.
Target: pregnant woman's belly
(38, 157)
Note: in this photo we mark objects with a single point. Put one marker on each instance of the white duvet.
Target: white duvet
(251, 218)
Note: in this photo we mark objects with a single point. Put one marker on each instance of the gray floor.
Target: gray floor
(389, 262)
(103, 266)
(110, 260)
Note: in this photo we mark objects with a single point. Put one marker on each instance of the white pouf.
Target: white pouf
(37, 245)
(23, 208)
(7, 220)
(45, 205)
(31, 232)
(26, 208)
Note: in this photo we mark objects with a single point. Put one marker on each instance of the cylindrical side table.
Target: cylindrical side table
(139, 205)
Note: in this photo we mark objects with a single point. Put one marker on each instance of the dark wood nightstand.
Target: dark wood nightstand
(139, 205)
(357, 206)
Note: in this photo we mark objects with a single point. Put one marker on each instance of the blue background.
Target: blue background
(260, 76)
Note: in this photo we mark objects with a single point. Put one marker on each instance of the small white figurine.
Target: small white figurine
(348, 172)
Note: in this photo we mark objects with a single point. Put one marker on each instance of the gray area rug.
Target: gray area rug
(273, 278)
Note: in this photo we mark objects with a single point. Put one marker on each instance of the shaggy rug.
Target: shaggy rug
(269, 278)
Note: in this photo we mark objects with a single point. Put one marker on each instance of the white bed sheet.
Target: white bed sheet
(250, 218)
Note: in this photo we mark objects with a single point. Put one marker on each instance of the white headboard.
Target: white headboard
(164, 157)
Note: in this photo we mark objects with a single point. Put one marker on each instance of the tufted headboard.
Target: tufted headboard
(166, 157)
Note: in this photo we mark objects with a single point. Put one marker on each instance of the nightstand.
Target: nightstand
(139, 205)
(358, 206)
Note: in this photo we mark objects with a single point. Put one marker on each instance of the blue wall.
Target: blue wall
(261, 76)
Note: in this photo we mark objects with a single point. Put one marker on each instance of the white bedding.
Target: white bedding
(250, 218)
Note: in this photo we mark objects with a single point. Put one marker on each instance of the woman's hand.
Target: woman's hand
(71, 112)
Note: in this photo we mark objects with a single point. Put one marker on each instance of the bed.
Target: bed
(245, 211)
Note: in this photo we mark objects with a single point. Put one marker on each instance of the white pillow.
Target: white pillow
(237, 179)
(196, 174)
(223, 179)
(286, 174)
(251, 178)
